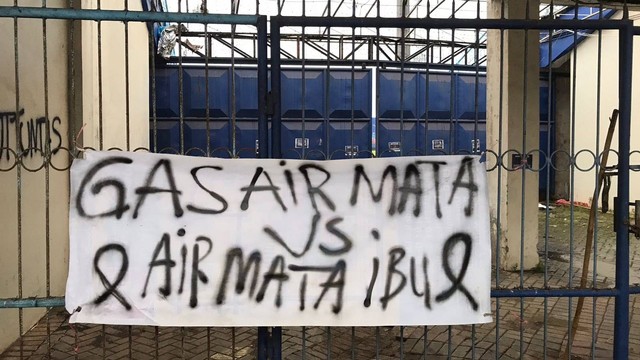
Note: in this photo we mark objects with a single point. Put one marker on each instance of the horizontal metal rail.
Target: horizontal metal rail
(118, 15)
(192, 60)
(345, 38)
(431, 23)
(550, 293)
(32, 302)
(495, 293)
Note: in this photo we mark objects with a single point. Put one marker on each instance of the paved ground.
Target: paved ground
(521, 330)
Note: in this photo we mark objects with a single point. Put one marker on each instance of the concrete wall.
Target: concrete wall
(512, 79)
(586, 114)
(35, 203)
(562, 93)
(25, 218)
(112, 72)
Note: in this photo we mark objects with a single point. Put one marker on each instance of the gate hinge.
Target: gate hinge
(634, 228)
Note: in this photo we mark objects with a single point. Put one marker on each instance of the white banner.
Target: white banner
(190, 241)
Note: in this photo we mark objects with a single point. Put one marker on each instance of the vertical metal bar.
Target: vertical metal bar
(276, 118)
(234, 129)
(377, 147)
(72, 85)
(126, 77)
(424, 342)
(621, 321)
(304, 343)
(182, 336)
(130, 335)
(154, 100)
(353, 342)
(182, 123)
(75, 339)
(180, 85)
(426, 102)
(233, 343)
(207, 109)
(449, 339)
(156, 349)
(525, 119)
(545, 328)
(401, 342)
(473, 342)
(229, 103)
(100, 117)
(327, 97)
(263, 127)
(47, 155)
(304, 92)
(452, 90)
(302, 57)
(104, 341)
(127, 130)
(275, 341)
(329, 341)
(402, 66)
(19, 151)
(475, 143)
(572, 189)
(101, 139)
(595, 227)
(353, 153)
(377, 342)
(208, 340)
(499, 185)
(263, 343)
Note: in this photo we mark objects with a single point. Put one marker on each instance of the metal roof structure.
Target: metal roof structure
(457, 47)
(558, 43)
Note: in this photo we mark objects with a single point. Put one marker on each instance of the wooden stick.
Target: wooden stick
(591, 228)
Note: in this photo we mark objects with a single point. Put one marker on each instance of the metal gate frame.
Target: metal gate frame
(259, 21)
(269, 345)
(626, 31)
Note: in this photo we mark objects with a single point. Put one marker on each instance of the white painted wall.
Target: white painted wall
(111, 71)
(588, 120)
(507, 121)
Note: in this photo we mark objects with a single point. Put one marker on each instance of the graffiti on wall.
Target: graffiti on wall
(35, 134)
